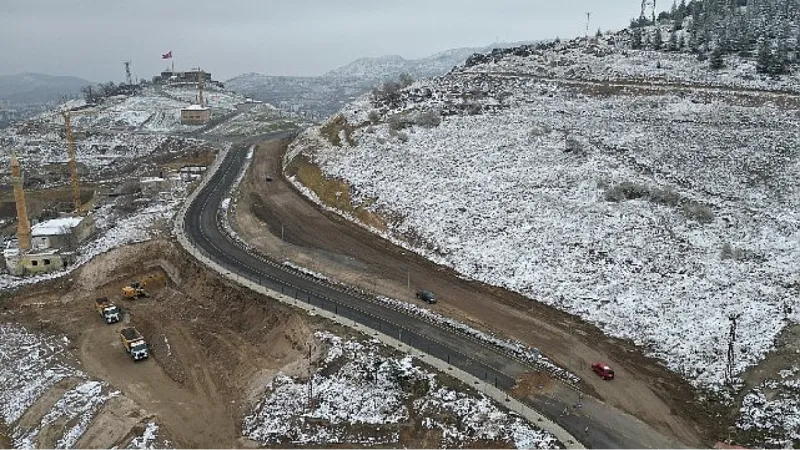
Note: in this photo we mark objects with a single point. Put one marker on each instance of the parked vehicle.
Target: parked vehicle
(107, 310)
(603, 370)
(134, 290)
(134, 343)
(426, 296)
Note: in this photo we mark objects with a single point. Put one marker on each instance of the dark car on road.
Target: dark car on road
(426, 296)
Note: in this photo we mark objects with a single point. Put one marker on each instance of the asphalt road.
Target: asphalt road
(597, 425)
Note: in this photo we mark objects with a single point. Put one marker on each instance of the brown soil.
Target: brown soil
(213, 345)
(325, 243)
(214, 348)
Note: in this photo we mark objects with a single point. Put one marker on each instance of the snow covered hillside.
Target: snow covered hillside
(361, 397)
(654, 211)
(112, 134)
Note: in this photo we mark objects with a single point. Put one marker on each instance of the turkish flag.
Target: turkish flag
(167, 55)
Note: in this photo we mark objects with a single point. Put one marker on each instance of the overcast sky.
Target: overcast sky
(91, 38)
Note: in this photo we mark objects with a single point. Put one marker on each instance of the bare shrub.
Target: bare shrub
(540, 130)
(428, 119)
(699, 212)
(125, 204)
(730, 252)
(473, 108)
(399, 135)
(626, 191)
(398, 122)
(373, 116)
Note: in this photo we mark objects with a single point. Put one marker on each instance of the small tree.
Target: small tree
(405, 80)
(716, 60)
(658, 41)
(636, 39)
(673, 41)
(764, 59)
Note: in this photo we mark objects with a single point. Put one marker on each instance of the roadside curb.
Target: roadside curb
(490, 391)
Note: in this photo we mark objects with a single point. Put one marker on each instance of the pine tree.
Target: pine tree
(658, 41)
(673, 41)
(636, 39)
(764, 60)
(716, 61)
(681, 43)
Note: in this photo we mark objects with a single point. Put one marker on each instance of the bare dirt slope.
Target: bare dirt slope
(326, 243)
(214, 346)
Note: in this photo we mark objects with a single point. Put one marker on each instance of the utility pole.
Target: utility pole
(128, 72)
(588, 19)
(731, 344)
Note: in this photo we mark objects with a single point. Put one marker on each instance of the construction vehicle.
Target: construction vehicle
(134, 343)
(134, 290)
(107, 310)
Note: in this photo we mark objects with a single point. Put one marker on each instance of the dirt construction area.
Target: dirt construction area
(213, 346)
(269, 207)
(216, 349)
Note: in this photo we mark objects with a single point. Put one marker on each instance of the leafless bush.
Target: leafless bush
(428, 119)
(125, 204)
(373, 116)
(699, 212)
(730, 252)
(473, 108)
(399, 135)
(626, 191)
(128, 187)
(540, 130)
(398, 122)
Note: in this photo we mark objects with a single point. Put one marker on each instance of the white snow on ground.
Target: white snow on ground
(149, 439)
(32, 363)
(29, 365)
(612, 60)
(220, 101)
(260, 119)
(364, 402)
(772, 411)
(515, 196)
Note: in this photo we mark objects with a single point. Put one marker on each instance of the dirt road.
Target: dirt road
(326, 243)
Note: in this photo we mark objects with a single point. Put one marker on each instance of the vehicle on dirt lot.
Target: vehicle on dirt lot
(426, 296)
(107, 310)
(134, 290)
(603, 370)
(134, 343)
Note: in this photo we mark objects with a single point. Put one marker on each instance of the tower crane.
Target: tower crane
(73, 164)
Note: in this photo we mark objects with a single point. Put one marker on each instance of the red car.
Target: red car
(603, 371)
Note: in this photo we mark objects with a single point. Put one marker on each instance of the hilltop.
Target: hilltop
(326, 94)
(641, 190)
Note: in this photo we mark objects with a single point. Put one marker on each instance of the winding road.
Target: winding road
(594, 423)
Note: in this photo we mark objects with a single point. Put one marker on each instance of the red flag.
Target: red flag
(167, 55)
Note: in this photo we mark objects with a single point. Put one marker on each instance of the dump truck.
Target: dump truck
(107, 310)
(134, 290)
(134, 343)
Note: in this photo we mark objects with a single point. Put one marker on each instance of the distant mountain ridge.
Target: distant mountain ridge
(327, 93)
(24, 88)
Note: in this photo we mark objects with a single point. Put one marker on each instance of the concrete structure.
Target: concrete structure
(153, 185)
(195, 115)
(33, 261)
(64, 233)
(191, 173)
(190, 76)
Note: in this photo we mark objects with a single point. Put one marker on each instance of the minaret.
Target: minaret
(23, 225)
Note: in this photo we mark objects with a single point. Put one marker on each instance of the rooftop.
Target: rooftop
(56, 227)
(196, 108)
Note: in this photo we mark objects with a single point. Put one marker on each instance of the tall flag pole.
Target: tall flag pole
(168, 55)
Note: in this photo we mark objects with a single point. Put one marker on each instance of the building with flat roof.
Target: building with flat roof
(195, 115)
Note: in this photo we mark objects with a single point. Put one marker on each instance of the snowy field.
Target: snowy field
(612, 60)
(30, 365)
(771, 412)
(361, 397)
(655, 217)
(259, 119)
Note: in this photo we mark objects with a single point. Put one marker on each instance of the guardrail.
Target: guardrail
(401, 338)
